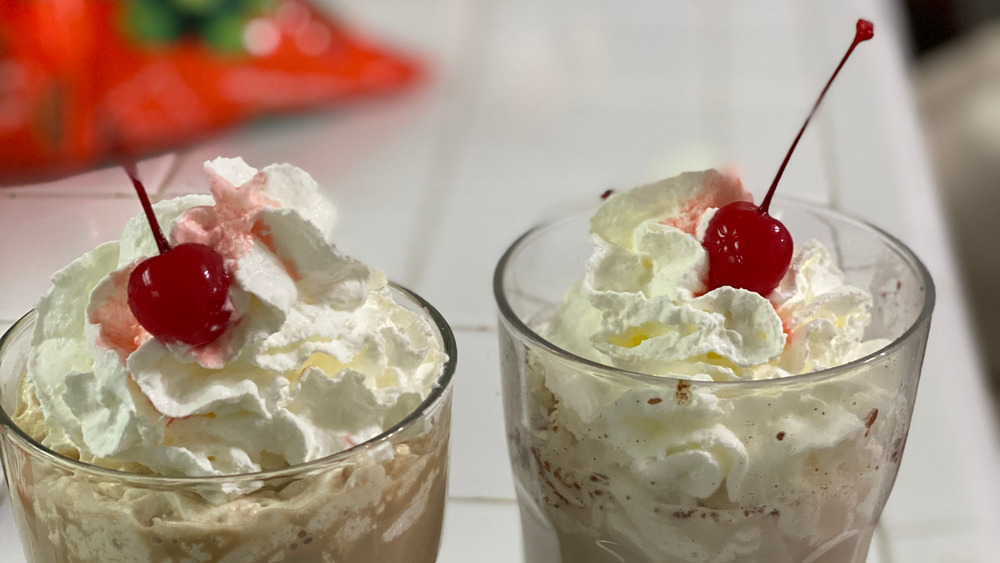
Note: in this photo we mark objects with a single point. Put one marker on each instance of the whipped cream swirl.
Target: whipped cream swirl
(318, 359)
(642, 305)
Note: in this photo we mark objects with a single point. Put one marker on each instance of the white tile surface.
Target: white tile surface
(39, 235)
(481, 532)
(936, 542)
(479, 467)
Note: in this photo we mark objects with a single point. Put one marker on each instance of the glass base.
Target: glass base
(543, 543)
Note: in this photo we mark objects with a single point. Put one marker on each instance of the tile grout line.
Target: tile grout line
(177, 158)
(455, 129)
(474, 328)
(40, 194)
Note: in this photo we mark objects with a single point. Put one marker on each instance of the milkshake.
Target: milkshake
(652, 419)
(308, 421)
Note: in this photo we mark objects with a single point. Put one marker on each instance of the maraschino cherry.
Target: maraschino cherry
(179, 295)
(747, 248)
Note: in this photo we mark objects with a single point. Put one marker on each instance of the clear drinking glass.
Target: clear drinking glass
(803, 464)
(382, 500)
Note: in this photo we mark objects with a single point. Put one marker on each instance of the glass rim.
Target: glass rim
(435, 397)
(521, 328)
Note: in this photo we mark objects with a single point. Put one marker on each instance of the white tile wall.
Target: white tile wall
(479, 468)
(536, 106)
(39, 235)
(481, 532)
(936, 543)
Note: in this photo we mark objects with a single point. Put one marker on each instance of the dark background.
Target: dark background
(936, 22)
(956, 79)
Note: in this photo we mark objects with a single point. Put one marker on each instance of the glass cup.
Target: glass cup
(794, 469)
(382, 500)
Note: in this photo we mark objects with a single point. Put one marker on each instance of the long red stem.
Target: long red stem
(161, 241)
(865, 31)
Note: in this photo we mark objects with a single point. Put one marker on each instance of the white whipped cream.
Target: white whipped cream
(642, 305)
(318, 359)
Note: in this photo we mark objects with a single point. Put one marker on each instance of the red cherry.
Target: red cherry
(179, 295)
(747, 248)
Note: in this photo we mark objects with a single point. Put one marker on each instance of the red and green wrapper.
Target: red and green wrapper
(81, 80)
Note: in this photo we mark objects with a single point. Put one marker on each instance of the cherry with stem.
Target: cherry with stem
(747, 248)
(181, 294)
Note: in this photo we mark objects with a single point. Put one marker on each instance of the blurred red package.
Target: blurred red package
(82, 79)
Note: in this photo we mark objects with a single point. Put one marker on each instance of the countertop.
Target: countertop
(534, 106)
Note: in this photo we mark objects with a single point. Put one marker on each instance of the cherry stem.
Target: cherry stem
(865, 31)
(133, 174)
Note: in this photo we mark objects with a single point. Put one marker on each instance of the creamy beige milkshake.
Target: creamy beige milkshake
(313, 427)
(654, 419)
